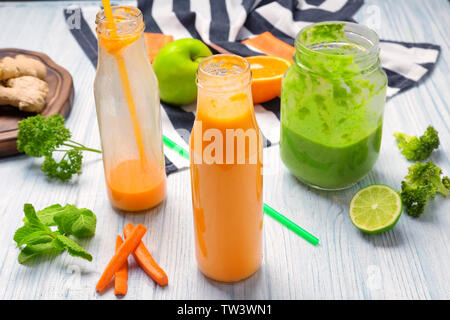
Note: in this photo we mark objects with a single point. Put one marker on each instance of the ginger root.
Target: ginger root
(27, 93)
(21, 65)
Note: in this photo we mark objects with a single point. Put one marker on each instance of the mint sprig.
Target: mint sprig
(36, 237)
(69, 219)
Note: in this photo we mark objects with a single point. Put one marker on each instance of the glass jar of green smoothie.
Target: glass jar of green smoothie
(332, 104)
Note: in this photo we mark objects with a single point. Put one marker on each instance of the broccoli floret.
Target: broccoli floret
(414, 200)
(416, 149)
(420, 185)
(446, 182)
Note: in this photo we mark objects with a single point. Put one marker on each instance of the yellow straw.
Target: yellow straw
(109, 16)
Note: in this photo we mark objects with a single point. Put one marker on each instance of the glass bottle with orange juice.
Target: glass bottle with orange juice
(226, 171)
(128, 113)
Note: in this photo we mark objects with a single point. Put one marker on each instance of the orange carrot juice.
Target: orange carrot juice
(128, 112)
(226, 171)
(134, 188)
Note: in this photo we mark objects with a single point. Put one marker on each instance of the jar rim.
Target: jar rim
(204, 74)
(350, 27)
(135, 15)
(207, 60)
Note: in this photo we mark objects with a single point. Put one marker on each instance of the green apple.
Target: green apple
(176, 67)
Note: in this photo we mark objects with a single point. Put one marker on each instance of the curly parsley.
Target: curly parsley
(43, 137)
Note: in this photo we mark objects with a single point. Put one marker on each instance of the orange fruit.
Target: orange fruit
(155, 42)
(267, 72)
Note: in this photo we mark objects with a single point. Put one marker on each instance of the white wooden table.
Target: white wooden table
(412, 261)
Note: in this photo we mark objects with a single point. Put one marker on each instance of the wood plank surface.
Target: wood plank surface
(408, 262)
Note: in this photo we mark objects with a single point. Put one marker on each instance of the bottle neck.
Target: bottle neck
(127, 28)
(337, 49)
(223, 73)
(224, 97)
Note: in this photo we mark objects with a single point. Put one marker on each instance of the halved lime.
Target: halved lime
(375, 208)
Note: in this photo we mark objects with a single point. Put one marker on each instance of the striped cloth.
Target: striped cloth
(225, 23)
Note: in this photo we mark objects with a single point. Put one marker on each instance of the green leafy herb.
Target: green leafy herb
(31, 251)
(73, 248)
(46, 215)
(69, 220)
(36, 237)
(43, 137)
(77, 222)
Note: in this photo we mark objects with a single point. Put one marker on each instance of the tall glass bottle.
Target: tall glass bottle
(128, 113)
(226, 171)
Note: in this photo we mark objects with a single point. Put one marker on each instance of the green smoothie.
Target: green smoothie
(329, 166)
(332, 106)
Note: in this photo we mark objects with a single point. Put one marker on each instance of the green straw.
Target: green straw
(172, 145)
(290, 225)
(267, 209)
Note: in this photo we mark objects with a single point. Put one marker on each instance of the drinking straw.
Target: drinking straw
(291, 225)
(172, 145)
(109, 16)
(267, 209)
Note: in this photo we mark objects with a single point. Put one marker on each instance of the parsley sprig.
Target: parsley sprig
(42, 137)
(38, 236)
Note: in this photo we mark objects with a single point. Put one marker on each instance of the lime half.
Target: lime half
(375, 208)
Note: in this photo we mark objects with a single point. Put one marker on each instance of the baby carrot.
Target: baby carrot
(121, 278)
(146, 261)
(121, 256)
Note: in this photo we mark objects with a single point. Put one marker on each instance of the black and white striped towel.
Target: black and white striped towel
(226, 23)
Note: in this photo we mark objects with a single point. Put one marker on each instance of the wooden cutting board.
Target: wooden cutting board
(59, 100)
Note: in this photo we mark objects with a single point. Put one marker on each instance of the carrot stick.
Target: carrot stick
(271, 45)
(121, 256)
(146, 261)
(155, 42)
(121, 278)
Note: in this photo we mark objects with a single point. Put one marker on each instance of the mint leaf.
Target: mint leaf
(78, 222)
(34, 237)
(32, 251)
(56, 243)
(32, 229)
(46, 215)
(26, 254)
(32, 218)
(84, 225)
(65, 218)
(23, 232)
(73, 248)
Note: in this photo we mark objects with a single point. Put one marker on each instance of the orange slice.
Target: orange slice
(267, 72)
(155, 42)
